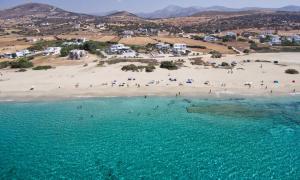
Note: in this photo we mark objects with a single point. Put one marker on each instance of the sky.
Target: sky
(98, 6)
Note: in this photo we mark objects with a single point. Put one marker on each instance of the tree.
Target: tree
(291, 71)
(21, 63)
(216, 54)
(170, 65)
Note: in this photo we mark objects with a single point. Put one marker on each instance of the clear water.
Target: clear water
(153, 138)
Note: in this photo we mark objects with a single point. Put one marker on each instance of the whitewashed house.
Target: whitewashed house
(9, 55)
(210, 38)
(77, 26)
(296, 38)
(32, 39)
(52, 51)
(162, 46)
(77, 54)
(179, 48)
(231, 34)
(45, 24)
(127, 34)
(22, 53)
(78, 41)
(101, 26)
(118, 48)
(17, 54)
(153, 31)
(275, 40)
(142, 31)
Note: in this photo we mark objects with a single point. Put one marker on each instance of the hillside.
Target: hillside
(123, 16)
(36, 10)
(122, 13)
(274, 20)
(177, 11)
(41, 19)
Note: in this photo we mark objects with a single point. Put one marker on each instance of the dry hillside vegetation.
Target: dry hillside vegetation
(141, 41)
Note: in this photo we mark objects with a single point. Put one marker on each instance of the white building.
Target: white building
(77, 54)
(127, 34)
(32, 39)
(267, 33)
(45, 24)
(142, 31)
(22, 53)
(296, 38)
(77, 26)
(129, 54)
(179, 48)
(118, 48)
(52, 51)
(275, 40)
(101, 26)
(162, 46)
(78, 41)
(231, 34)
(8, 55)
(210, 38)
(17, 54)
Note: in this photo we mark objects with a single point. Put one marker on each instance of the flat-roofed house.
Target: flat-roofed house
(77, 54)
(296, 38)
(127, 34)
(275, 40)
(162, 46)
(180, 48)
(52, 51)
(118, 48)
(210, 38)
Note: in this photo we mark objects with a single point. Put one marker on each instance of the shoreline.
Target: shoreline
(187, 92)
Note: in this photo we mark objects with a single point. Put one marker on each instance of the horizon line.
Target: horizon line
(118, 10)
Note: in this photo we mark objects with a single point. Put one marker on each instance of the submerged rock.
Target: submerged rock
(232, 110)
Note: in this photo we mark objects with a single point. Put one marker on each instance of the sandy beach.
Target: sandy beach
(75, 81)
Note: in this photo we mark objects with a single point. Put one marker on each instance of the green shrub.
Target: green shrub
(66, 50)
(224, 64)
(215, 54)
(94, 46)
(197, 61)
(149, 68)
(42, 67)
(130, 67)
(246, 51)
(135, 68)
(291, 71)
(242, 40)
(21, 70)
(170, 65)
(4, 64)
(101, 63)
(29, 58)
(21, 63)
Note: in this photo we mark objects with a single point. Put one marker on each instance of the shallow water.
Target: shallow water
(153, 138)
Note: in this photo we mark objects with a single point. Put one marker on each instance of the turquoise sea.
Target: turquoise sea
(152, 138)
